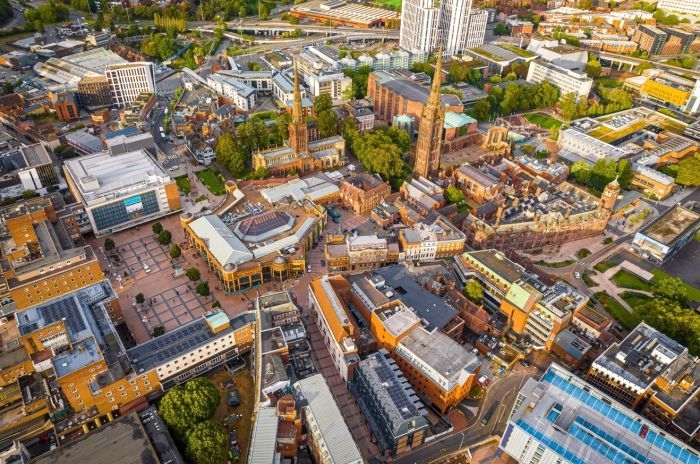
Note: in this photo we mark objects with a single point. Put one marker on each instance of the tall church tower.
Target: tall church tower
(430, 129)
(609, 196)
(298, 130)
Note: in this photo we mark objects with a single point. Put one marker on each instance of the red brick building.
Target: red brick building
(64, 105)
(363, 192)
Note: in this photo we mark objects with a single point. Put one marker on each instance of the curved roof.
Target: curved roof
(221, 242)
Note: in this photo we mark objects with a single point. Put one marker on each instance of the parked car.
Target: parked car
(233, 398)
(525, 363)
(228, 385)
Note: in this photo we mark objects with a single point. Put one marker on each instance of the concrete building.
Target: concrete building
(652, 182)
(329, 438)
(566, 80)
(99, 39)
(394, 413)
(194, 348)
(498, 58)
(686, 7)
(563, 419)
(39, 172)
(242, 95)
(430, 240)
(564, 56)
(128, 81)
(336, 324)
(667, 234)
(345, 14)
(359, 252)
(533, 308)
(121, 191)
(650, 39)
(454, 24)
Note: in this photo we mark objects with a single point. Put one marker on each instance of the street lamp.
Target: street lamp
(461, 441)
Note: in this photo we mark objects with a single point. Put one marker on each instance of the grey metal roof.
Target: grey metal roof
(221, 241)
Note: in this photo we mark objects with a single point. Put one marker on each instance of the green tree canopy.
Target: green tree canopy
(203, 289)
(109, 244)
(187, 405)
(165, 237)
(207, 443)
(175, 251)
(378, 153)
(501, 29)
(482, 110)
(322, 103)
(689, 171)
(593, 67)
(193, 274)
(229, 153)
(359, 80)
(671, 288)
(327, 123)
(140, 298)
(474, 291)
(157, 228)
(453, 194)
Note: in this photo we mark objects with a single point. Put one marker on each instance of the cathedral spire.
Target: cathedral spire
(297, 114)
(434, 99)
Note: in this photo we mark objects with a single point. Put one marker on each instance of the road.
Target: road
(503, 391)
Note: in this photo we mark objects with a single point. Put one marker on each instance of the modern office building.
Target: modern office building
(680, 6)
(394, 413)
(121, 191)
(656, 376)
(667, 234)
(425, 25)
(329, 437)
(128, 81)
(566, 80)
(652, 182)
(562, 419)
(532, 308)
(242, 95)
(39, 172)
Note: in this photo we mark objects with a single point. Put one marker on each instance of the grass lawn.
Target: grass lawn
(543, 120)
(626, 279)
(517, 50)
(608, 82)
(617, 311)
(555, 264)
(183, 183)
(395, 4)
(634, 299)
(212, 182)
(693, 293)
(603, 266)
(587, 279)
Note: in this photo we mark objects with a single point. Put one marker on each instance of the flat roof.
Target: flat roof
(340, 10)
(264, 438)
(179, 341)
(104, 175)
(82, 354)
(582, 425)
(413, 91)
(314, 394)
(498, 263)
(35, 155)
(123, 440)
(666, 228)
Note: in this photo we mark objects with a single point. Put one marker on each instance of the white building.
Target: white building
(129, 80)
(426, 24)
(243, 96)
(283, 88)
(566, 80)
(419, 25)
(261, 81)
(681, 6)
(329, 436)
(121, 191)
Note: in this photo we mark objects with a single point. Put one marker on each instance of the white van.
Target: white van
(146, 267)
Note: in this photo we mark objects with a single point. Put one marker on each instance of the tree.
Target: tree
(109, 244)
(689, 171)
(378, 153)
(359, 80)
(165, 237)
(263, 12)
(158, 331)
(140, 298)
(400, 137)
(643, 66)
(458, 72)
(187, 405)
(593, 67)
(453, 194)
(322, 103)
(567, 106)
(585, 4)
(670, 287)
(207, 443)
(229, 153)
(193, 274)
(501, 29)
(482, 110)
(157, 228)
(327, 123)
(26, 194)
(203, 289)
(474, 291)
(624, 173)
(175, 251)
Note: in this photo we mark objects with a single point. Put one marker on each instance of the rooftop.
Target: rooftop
(223, 244)
(669, 226)
(123, 440)
(444, 360)
(179, 341)
(338, 9)
(35, 155)
(399, 402)
(314, 394)
(413, 91)
(580, 424)
(82, 354)
(498, 263)
(640, 358)
(103, 176)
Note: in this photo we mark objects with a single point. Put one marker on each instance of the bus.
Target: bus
(487, 417)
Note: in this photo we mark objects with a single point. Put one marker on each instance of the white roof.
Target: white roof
(221, 241)
(339, 443)
(264, 440)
